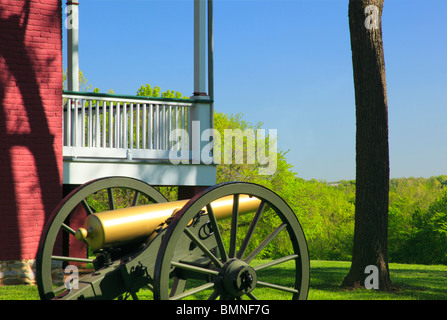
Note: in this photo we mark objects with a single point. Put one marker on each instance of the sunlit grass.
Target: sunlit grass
(415, 282)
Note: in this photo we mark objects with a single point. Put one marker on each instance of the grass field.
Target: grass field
(415, 282)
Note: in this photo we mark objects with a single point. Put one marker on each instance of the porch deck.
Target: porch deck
(116, 135)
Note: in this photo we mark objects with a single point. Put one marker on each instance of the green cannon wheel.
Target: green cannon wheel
(58, 247)
(255, 256)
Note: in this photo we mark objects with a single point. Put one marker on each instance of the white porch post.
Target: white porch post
(200, 47)
(200, 112)
(211, 60)
(72, 24)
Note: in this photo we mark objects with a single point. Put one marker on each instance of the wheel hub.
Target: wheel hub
(238, 278)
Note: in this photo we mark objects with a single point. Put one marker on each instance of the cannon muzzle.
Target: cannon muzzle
(127, 225)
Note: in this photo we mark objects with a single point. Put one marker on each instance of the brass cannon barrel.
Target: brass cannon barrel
(120, 226)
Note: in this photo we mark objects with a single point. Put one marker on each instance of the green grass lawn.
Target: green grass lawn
(416, 282)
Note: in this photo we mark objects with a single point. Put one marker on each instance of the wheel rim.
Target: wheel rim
(235, 273)
(80, 198)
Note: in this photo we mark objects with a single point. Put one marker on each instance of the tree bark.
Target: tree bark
(372, 151)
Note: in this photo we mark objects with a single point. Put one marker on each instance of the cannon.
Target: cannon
(127, 241)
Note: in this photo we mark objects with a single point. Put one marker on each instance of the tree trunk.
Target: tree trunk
(372, 152)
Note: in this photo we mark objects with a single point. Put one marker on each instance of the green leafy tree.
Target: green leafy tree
(427, 241)
(147, 91)
(325, 212)
(410, 200)
(84, 86)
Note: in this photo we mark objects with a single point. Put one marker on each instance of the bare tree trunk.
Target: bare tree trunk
(372, 151)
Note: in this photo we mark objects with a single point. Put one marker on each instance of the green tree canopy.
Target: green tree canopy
(147, 91)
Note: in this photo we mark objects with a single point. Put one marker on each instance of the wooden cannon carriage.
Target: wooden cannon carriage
(203, 248)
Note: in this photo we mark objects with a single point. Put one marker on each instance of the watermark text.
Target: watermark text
(247, 146)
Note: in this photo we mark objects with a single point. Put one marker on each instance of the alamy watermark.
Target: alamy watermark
(72, 280)
(372, 17)
(207, 146)
(70, 22)
(372, 281)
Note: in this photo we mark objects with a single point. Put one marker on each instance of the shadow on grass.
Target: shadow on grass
(416, 282)
(413, 282)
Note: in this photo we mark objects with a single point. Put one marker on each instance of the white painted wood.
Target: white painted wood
(200, 40)
(79, 172)
(106, 136)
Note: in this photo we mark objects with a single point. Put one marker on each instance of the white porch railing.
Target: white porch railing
(122, 127)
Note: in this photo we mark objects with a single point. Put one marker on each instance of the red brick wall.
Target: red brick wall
(30, 122)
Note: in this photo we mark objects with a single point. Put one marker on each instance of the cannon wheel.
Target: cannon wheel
(58, 226)
(232, 271)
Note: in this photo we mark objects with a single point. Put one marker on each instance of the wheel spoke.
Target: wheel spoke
(103, 191)
(178, 286)
(68, 229)
(60, 289)
(195, 269)
(198, 289)
(276, 287)
(252, 296)
(265, 243)
(136, 197)
(221, 254)
(275, 262)
(234, 222)
(87, 207)
(134, 296)
(111, 199)
(251, 230)
(203, 247)
(214, 295)
(217, 234)
(74, 259)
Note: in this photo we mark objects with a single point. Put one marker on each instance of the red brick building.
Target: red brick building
(30, 122)
(39, 156)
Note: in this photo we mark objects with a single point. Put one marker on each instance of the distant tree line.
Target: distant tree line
(417, 230)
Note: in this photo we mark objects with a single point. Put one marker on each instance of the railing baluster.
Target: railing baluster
(82, 123)
(117, 125)
(188, 125)
(76, 124)
(94, 122)
(177, 124)
(149, 127)
(103, 129)
(162, 127)
(167, 117)
(97, 125)
(137, 127)
(89, 124)
(68, 123)
(156, 127)
(183, 127)
(111, 124)
(143, 131)
(131, 127)
(125, 126)
(171, 119)
(163, 131)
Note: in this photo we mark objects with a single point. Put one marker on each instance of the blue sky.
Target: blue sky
(287, 64)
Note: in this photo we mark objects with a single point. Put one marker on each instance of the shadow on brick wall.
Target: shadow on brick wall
(24, 95)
